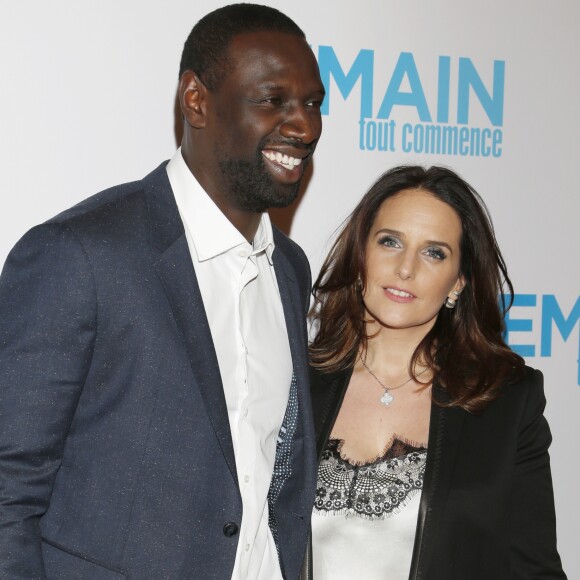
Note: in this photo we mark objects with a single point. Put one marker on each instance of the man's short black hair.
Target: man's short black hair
(206, 49)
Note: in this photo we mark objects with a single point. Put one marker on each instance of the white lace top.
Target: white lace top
(365, 516)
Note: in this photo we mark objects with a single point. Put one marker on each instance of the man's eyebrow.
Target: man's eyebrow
(269, 85)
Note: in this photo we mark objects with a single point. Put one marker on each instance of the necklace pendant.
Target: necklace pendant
(386, 398)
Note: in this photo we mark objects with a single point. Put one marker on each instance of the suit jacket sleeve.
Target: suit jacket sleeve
(47, 331)
(533, 520)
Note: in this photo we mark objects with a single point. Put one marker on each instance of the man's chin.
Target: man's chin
(254, 189)
(262, 199)
(286, 197)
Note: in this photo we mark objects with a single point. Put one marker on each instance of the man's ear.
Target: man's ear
(192, 96)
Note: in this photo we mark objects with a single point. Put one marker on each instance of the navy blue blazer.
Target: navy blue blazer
(487, 505)
(116, 458)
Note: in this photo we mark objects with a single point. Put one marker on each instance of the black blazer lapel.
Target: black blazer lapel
(327, 392)
(444, 437)
(176, 272)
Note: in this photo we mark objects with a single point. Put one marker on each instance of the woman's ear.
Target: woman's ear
(457, 289)
(460, 284)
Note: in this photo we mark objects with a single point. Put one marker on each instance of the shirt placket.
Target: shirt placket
(247, 443)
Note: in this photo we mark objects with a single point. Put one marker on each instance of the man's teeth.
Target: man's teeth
(399, 292)
(283, 159)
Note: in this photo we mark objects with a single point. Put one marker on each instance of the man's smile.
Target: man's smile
(286, 161)
(283, 167)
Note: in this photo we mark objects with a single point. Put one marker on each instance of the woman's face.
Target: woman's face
(412, 260)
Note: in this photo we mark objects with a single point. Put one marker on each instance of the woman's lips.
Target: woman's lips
(398, 295)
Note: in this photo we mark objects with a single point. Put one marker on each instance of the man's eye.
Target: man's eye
(272, 100)
(314, 104)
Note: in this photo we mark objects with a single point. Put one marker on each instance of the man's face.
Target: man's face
(263, 121)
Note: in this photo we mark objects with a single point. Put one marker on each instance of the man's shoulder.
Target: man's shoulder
(113, 204)
(115, 219)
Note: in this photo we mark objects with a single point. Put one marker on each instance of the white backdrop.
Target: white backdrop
(87, 101)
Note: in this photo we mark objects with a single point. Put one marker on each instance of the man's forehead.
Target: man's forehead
(271, 53)
(266, 41)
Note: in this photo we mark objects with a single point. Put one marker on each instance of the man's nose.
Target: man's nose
(303, 123)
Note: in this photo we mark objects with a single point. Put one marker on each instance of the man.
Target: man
(154, 415)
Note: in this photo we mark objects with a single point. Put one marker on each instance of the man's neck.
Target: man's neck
(246, 222)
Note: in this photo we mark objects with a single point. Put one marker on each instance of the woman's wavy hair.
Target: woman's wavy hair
(465, 348)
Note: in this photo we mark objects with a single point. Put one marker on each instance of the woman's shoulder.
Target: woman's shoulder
(523, 399)
(529, 385)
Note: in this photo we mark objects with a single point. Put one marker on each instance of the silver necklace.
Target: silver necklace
(386, 398)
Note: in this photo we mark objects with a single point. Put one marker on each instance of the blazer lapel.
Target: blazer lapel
(287, 287)
(327, 391)
(293, 484)
(177, 275)
(295, 318)
(444, 438)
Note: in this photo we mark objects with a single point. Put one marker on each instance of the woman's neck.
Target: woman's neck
(390, 351)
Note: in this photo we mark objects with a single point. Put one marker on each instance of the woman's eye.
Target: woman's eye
(436, 253)
(389, 242)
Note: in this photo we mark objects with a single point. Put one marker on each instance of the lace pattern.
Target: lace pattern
(373, 490)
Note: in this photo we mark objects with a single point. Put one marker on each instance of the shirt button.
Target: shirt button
(247, 479)
(247, 547)
(230, 529)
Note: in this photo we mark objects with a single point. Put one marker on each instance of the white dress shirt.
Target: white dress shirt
(243, 306)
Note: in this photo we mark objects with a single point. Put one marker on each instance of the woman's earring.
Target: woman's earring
(449, 302)
(358, 284)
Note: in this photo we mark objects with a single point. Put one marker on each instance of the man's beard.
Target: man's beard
(253, 188)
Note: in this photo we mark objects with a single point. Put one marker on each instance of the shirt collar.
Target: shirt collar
(211, 232)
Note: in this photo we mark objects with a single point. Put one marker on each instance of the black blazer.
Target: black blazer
(487, 506)
(116, 458)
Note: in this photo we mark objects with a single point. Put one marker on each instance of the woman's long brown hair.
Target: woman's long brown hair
(465, 348)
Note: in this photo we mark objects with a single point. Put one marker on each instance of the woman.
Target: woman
(431, 439)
